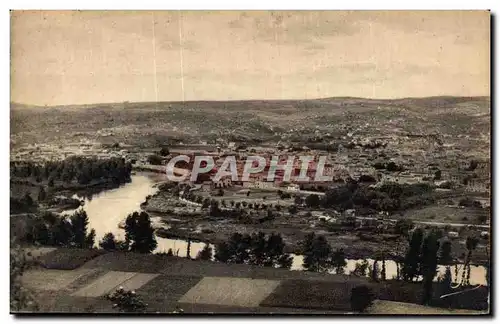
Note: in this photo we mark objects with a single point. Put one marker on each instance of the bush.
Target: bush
(361, 298)
(164, 151)
(155, 159)
(482, 219)
(127, 301)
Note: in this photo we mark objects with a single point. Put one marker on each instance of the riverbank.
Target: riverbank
(177, 221)
(194, 222)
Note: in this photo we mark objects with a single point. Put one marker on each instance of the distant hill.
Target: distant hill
(260, 120)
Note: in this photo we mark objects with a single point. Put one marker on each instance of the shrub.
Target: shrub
(127, 301)
(155, 159)
(361, 298)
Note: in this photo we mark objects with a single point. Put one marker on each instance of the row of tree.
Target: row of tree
(68, 231)
(255, 249)
(387, 197)
(425, 252)
(80, 169)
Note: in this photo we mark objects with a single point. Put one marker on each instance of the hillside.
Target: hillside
(258, 120)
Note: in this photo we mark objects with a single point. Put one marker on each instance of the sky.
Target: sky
(82, 57)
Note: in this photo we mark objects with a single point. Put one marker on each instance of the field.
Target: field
(203, 286)
(230, 291)
(447, 214)
(384, 307)
(67, 258)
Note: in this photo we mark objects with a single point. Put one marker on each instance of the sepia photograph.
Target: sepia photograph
(182, 162)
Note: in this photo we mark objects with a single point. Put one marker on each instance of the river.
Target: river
(108, 208)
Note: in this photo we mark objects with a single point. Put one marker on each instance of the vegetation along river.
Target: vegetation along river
(108, 208)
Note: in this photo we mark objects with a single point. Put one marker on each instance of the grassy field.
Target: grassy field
(67, 258)
(243, 292)
(162, 281)
(446, 214)
(384, 307)
(313, 294)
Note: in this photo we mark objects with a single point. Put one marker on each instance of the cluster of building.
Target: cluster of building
(418, 165)
(422, 159)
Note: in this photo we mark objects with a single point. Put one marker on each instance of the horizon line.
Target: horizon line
(246, 100)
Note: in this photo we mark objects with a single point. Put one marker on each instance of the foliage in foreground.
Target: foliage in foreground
(361, 298)
(255, 249)
(319, 255)
(54, 230)
(21, 299)
(127, 301)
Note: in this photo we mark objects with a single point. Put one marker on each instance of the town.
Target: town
(250, 162)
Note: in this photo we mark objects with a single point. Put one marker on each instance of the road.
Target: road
(432, 223)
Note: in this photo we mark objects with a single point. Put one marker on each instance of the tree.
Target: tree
(445, 282)
(366, 178)
(28, 200)
(361, 298)
(42, 195)
(140, 233)
(429, 262)
(214, 208)
(374, 271)
(63, 232)
(108, 242)
(127, 301)
(205, 253)
(317, 253)
(338, 261)
(21, 298)
(164, 151)
(470, 244)
(312, 201)
(360, 269)
(381, 256)
(90, 239)
(391, 166)
(445, 257)
(269, 251)
(437, 175)
(412, 259)
(188, 249)
(298, 200)
(403, 227)
(481, 219)
(155, 160)
(79, 228)
(122, 246)
(472, 165)
(236, 250)
(255, 249)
